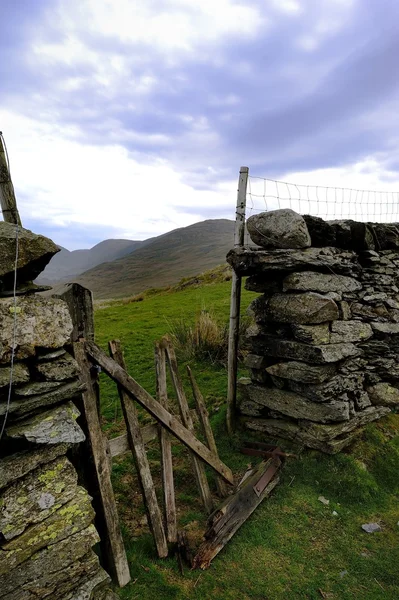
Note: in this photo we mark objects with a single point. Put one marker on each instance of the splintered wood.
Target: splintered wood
(235, 510)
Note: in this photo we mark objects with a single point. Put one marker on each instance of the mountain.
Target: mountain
(68, 265)
(163, 260)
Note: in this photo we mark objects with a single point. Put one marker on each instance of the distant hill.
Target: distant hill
(68, 265)
(163, 260)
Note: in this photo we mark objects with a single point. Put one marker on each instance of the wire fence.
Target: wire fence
(329, 203)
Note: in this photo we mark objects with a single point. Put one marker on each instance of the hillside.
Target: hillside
(163, 261)
(69, 264)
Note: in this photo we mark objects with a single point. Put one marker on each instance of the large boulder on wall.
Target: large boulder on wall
(279, 229)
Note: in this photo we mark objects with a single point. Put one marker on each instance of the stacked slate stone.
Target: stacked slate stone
(324, 346)
(46, 518)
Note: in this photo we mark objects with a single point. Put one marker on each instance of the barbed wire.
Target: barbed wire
(327, 202)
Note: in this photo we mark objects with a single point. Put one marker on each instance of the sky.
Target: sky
(130, 118)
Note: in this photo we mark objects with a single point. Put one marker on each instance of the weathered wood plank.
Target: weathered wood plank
(120, 444)
(204, 418)
(137, 447)
(198, 467)
(158, 411)
(234, 511)
(235, 301)
(8, 201)
(166, 449)
(112, 547)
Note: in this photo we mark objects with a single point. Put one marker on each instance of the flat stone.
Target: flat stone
(271, 346)
(37, 496)
(312, 334)
(371, 527)
(291, 431)
(18, 465)
(93, 589)
(253, 361)
(310, 281)
(340, 233)
(361, 399)
(20, 375)
(302, 372)
(307, 308)
(324, 392)
(34, 253)
(344, 310)
(62, 369)
(55, 426)
(41, 322)
(386, 328)
(383, 394)
(282, 228)
(392, 303)
(290, 404)
(58, 569)
(264, 284)
(21, 407)
(329, 432)
(45, 356)
(255, 262)
(35, 388)
(75, 515)
(349, 331)
(370, 313)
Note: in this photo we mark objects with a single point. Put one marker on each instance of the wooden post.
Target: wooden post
(80, 304)
(137, 447)
(206, 426)
(8, 201)
(113, 547)
(235, 303)
(198, 467)
(156, 409)
(166, 449)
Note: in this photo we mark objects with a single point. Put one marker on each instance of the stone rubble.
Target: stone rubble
(324, 346)
(46, 518)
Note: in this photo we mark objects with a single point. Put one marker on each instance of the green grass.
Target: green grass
(292, 547)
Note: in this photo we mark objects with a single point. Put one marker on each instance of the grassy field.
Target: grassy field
(293, 546)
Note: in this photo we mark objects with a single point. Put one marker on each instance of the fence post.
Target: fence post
(8, 202)
(235, 302)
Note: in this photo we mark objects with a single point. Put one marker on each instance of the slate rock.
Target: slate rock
(333, 388)
(290, 430)
(264, 284)
(256, 262)
(35, 388)
(312, 334)
(54, 426)
(20, 375)
(41, 322)
(75, 515)
(272, 346)
(62, 369)
(311, 281)
(37, 496)
(290, 404)
(383, 394)
(371, 527)
(306, 308)
(349, 331)
(34, 253)
(302, 372)
(58, 569)
(20, 407)
(385, 328)
(17, 465)
(281, 228)
(329, 432)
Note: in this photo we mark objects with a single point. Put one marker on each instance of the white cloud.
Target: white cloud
(63, 183)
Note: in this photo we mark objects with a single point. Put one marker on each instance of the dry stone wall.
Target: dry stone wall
(46, 518)
(324, 343)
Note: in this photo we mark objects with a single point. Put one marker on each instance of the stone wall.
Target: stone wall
(46, 517)
(324, 343)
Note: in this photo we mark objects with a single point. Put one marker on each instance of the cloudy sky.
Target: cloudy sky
(129, 118)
